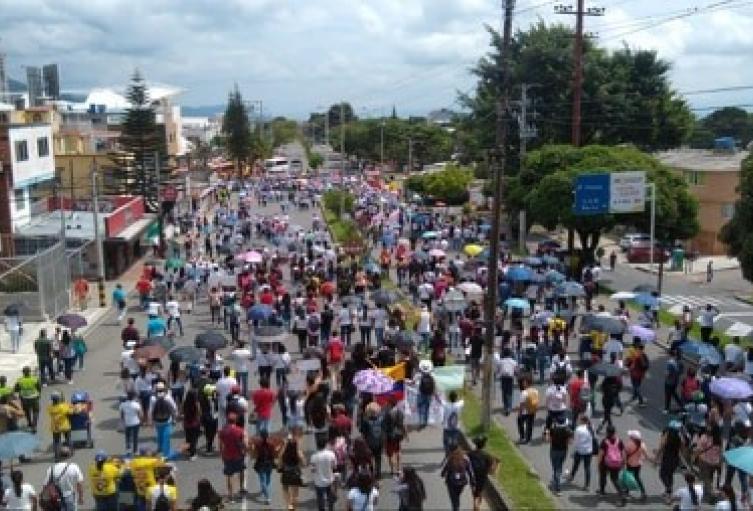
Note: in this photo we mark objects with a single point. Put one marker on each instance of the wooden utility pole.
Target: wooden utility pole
(499, 155)
(580, 11)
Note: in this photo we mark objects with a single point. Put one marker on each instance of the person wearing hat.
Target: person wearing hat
(103, 477)
(60, 423)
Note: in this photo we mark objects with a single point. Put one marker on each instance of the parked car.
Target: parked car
(641, 253)
(630, 240)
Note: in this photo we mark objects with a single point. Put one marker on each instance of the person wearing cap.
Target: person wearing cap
(69, 479)
(103, 477)
(60, 424)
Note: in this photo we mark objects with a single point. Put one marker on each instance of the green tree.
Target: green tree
(737, 233)
(140, 139)
(236, 129)
(729, 122)
(556, 168)
(316, 160)
(340, 113)
(284, 131)
(449, 185)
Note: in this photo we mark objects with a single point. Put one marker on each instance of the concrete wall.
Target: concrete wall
(716, 192)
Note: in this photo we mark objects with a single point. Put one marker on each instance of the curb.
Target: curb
(494, 495)
(744, 299)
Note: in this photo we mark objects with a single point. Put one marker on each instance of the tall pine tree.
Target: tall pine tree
(235, 127)
(140, 138)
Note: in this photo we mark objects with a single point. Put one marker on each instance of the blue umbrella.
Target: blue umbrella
(570, 289)
(731, 388)
(549, 260)
(518, 303)
(430, 235)
(519, 274)
(741, 458)
(373, 267)
(15, 444)
(533, 261)
(554, 277)
(700, 350)
(260, 312)
(646, 300)
(537, 278)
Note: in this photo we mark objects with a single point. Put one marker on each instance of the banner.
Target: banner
(449, 378)
(409, 407)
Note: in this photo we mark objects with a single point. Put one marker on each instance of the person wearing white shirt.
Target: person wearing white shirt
(13, 326)
(451, 420)
(505, 368)
(20, 496)
(154, 309)
(223, 388)
(241, 359)
(363, 498)
(131, 416)
(173, 314)
(613, 346)
(706, 320)
(556, 404)
(583, 440)
(69, 478)
(344, 318)
(323, 463)
(733, 354)
(424, 327)
(380, 322)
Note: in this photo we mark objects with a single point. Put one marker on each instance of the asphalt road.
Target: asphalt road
(100, 378)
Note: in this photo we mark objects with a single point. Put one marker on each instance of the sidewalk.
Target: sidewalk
(11, 364)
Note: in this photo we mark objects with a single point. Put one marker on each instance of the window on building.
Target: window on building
(19, 197)
(728, 211)
(43, 147)
(22, 150)
(693, 177)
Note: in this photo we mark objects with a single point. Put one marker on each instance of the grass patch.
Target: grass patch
(514, 475)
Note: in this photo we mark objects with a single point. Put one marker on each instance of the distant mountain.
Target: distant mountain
(202, 111)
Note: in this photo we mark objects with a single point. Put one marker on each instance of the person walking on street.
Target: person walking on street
(584, 440)
(60, 423)
(559, 438)
(28, 388)
(635, 454)
(233, 443)
(43, 350)
(410, 489)
(162, 411)
(457, 473)
(506, 367)
(264, 453)
(690, 497)
(529, 404)
(119, 301)
(323, 463)
(710, 271)
(104, 476)
(131, 417)
(611, 461)
(426, 392)
(20, 496)
(673, 371)
(13, 325)
(191, 414)
(706, 320)
(363, 497)
(638, 365)
(68, 476)
(291, 463)
(172, 307)
(482, 464)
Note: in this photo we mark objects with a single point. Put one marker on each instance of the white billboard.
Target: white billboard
(627, 192)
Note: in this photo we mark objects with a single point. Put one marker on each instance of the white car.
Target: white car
(629, 240)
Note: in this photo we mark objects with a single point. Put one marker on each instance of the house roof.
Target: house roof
(702, 160)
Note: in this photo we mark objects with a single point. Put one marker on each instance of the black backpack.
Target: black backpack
(426, 385)
(161, 411)
(373, 433)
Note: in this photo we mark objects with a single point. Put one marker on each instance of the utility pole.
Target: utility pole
(98, 238)
(580, 11)
(381, 145)
(342, 138)
(498, 166)
(525, 131)
(160, 220)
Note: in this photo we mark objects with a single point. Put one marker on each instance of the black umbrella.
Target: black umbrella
(72, 321)
(13, 309)
(384, 297)
(185, 354)
(605, 369)
(166, 342)
(210, 340)
(269, 331)
(608, 324)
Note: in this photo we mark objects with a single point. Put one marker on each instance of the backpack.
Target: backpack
(313, 323)
(162, 502)
(426, 385)
(452, 421)
(457, 477)
(51, 496)
(392, 425)
(161, 411)
(374, 433)
(613, 455)
(532, 400)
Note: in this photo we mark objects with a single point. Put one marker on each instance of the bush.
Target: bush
(339, 201)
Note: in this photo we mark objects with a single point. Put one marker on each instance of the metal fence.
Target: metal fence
(53, 281)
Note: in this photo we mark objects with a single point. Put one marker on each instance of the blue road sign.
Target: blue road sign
(592, 194)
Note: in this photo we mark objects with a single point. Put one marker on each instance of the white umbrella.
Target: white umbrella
(471, 288)
(739, 329)
(437, 253)
(622, 295)
(454, 301)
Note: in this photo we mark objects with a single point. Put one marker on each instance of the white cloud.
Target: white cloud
(297, 54)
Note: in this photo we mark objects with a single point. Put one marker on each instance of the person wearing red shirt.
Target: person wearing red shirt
(340, 420)
(144, 287)
(263, 399)
(574, 390)
(335, 350)
(233, 452)
(267, 298)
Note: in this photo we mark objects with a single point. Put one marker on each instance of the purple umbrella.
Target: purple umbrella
(373, 381)
(644, 334)
(731, 388)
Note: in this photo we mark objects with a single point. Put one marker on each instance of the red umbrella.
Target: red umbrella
(328, 288)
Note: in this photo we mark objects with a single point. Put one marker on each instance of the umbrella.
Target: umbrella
(454, 301)
(437, 253)
(175, 263)
(373, 381)
(605, 369)
(542, 318)
(240, 354)
(13, 309)
(430, 235)
(185, 354)
(165, 342)
(471, 288)
(646, 300)
(549, 260)
(518, 303)
(72, 321)
(554, 277)
(644, 334)
(372, 267)
(383, 297)
(533, 261)
(151, 352)
(420, 255)
(608, 324)
(210, 340)
(644, 288)
(741, 458)
(260, 312)
(15, 444)
(738, 329)
(473, 250)
(269, 331)
(519, 274)
(252, 256)
(731, 388)
(622, 295)
(570, 289)
(700, 350)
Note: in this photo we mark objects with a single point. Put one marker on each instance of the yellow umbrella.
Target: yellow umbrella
(473, 250)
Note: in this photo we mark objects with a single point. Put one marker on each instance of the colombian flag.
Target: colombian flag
(396, 372)
(397, 392)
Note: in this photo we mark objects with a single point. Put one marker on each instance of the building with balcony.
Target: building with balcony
(713, 178)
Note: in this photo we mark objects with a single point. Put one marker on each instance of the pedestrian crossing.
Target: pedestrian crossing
(697, 301)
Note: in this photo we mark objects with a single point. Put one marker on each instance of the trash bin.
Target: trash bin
(678, 257)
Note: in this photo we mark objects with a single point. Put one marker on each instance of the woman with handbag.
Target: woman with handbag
(290, 465)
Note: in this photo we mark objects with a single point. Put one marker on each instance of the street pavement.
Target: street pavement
(423, 450)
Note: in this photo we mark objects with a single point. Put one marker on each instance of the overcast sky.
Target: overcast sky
(298, 55)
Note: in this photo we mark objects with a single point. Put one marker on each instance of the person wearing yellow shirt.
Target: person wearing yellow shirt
(60, 421)
(143, 468)
(28, 388)
(163, 495)
(104, 476)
